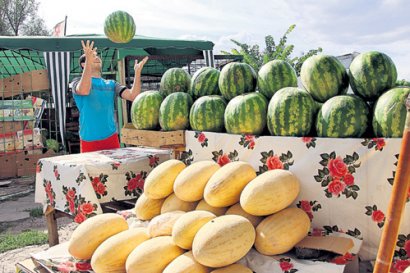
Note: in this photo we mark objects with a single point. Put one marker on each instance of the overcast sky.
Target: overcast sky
(339, 27)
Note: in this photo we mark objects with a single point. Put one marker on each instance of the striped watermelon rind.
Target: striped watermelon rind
(174, 80)
(324, 77)
(372, 73)
(290, 112)
(389, 116)
(204, 82)
(275, 75)
(145, 110)
(246, 114)
(342, 116)
(174, 111)
(236, 79)
(207, 114)
(119, 27)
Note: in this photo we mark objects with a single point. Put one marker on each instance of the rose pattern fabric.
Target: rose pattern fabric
(135, 185)
(201, 139)
(223, 158)
(309, 207)
(287, 266)
(376, 215)
(336, 176)
(272, 161)
(99, 185)
(153, 161)
(248, 141)
(377, 143)
(309, 141)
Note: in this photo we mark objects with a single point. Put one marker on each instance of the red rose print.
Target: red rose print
(56, 173)
(285, 266)
(71, 206)
(201, 137)
(101, 188)
(348, 179)
(79, 218)
(336, 187)
(50, 197)
(66, 267)
(70, 194)
(378, 216)
(273, 163)
(38, 168)
(153, 160)
(317, 232)
(305, 205)
(223, 160)
(337, 167)
(48, 187)
(399, 266)
(141, 181)
(343, 259)
(83, 266)
(407, 247)
(307, 139)
(380, 143)
(96, 181)
(132, 184)
(87, 208)
(251, 145)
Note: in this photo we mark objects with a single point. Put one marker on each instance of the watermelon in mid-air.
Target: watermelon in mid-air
(119, 27)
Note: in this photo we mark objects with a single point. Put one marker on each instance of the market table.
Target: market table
(79, 184)
(345, 183)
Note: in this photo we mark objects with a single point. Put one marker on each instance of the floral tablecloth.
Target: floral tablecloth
(77, 184)
(345, 183)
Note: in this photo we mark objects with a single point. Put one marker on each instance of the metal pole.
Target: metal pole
(397, 202)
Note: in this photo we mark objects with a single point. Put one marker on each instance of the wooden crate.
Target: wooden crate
(155, 139)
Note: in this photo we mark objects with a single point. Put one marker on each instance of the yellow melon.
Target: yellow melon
(225, 186)
(280, 232)
(233, 268)
(153, 255)
(92, 232)
(203, 205)
(270, 192)
(190, 183)
(161, 225)
(223, 241)
(147, 208)
(173, 203)
(186, 264)
(160, 181)
(237, 210)
(186, 227)
(111, 255)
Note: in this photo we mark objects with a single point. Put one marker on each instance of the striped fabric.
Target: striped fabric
(58, 66)
(209, 58)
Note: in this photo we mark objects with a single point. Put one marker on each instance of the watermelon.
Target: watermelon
(174, 80)
(119, 27)
(145, 110)
(174, 111)
(205, 82)
(290, 112)
(246, 114)
(324, 77)
(342, 116)
(389, 116)
(207, 114)
(236, 79)
(371, 74)
(276, 75)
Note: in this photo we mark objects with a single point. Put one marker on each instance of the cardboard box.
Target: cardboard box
(16, 110)
(28, 139)
(27, 161)
(36, 80)
(14, 126)
(8, 166)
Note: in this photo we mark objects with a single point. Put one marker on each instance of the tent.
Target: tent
(59, 56)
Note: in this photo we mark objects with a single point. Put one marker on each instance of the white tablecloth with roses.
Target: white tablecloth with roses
(345, 183)
(77, 184)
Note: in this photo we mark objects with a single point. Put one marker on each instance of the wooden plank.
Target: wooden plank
(36, 80)
(51, 226)
(156, 139)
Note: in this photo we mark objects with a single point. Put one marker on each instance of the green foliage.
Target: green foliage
(253, 56)
(402, 82)
(26, 238)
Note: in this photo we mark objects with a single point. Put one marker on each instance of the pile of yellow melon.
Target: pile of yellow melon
(203, 218)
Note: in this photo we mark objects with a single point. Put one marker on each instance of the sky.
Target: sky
(339, 27)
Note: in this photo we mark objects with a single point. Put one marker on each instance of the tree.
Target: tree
(253, 56)
(20, 17)
(402, 82)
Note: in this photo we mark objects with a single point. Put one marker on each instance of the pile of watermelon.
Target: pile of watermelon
(239, 100)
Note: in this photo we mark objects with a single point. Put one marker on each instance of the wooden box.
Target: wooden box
(36, 80)
(155, 139)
